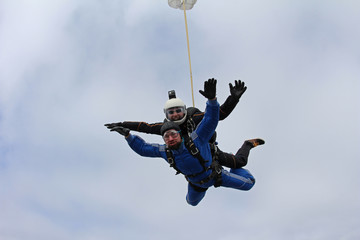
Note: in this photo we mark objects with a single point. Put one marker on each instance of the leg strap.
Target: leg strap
(197, 188)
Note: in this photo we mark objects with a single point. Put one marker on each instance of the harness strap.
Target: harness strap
(190, 145)
(171, 161)
(190, 125)
(216, 173)
(214, 150)
(197, 188)
(215, 167)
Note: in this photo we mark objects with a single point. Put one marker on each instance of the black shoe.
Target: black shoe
(255, 142)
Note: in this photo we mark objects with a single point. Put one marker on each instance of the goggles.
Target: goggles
(175, 110)
(170, 133)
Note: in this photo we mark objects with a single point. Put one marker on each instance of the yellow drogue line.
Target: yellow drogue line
(188, 47)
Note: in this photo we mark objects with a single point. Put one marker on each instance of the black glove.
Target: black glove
(112, 125)
(123, 131)
(209, 89)
(238, 90)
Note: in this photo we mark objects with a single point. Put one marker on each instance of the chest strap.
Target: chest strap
(215, 166)
(194, 151)
(191, 147)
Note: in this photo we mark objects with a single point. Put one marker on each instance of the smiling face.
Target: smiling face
(175, 113)
(172, 138)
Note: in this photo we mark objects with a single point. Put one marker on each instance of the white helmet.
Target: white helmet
(172, 103)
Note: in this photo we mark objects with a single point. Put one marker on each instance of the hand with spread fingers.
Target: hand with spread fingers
(209, 89)
(237, 90)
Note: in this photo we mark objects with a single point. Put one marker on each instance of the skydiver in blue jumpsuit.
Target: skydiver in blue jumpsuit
(189, 117)
(200, 175)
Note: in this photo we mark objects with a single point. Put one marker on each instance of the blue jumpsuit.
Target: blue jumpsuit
(189, 165)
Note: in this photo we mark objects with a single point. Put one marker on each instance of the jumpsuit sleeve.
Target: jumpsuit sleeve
(138, 145)
(144, 127)
(227, 107)
(208, 124)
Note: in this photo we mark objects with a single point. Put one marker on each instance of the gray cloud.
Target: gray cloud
(67, 68)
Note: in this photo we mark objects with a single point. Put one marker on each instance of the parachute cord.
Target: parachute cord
(188, 47)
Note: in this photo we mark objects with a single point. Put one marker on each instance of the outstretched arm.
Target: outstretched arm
(235, 93)
(228, 106)
(138, 145)
(208, 124)
(151, 128)
(143, 148)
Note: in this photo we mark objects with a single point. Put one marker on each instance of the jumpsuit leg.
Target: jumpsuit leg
(239, 178)
(195, 194)
(238, 160)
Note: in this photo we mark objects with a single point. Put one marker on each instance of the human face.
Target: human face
(175, 113)
(172, 138)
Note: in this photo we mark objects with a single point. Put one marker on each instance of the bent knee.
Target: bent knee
(249, 185)
(192, 203)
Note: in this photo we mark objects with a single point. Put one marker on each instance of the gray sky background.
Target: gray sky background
(68, 67)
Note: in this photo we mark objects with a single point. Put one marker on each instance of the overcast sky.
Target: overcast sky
(67, 67)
